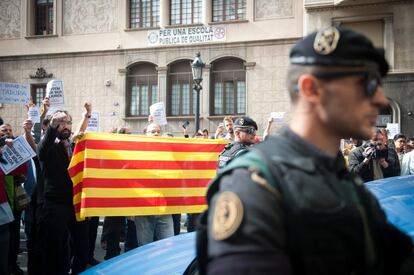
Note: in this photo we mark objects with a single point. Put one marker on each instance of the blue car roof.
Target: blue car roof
(167, 256)
(396, 196)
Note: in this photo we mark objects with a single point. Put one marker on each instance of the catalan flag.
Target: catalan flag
(126, 175)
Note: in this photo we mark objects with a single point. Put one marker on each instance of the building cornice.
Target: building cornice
(124, 52)
(399, 76)
(329, 6)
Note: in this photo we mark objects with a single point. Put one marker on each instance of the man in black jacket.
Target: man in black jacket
(57, 227)
(290, 206)
(374, 160)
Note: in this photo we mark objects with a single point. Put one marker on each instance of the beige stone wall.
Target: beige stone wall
(84, 76)
(97, 25)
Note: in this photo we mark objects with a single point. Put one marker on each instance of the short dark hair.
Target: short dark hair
(398, 136)
(295, 72)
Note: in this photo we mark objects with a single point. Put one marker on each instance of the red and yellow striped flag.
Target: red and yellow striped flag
(126, 175)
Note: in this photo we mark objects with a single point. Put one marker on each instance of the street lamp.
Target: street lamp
(197, 68)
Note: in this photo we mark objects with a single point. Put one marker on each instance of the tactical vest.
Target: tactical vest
(231, 151)
(325, 234)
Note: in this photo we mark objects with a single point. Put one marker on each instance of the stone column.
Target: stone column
(206, 12)
(389, 40)
(58, 17)
(205, 97)
(162, 84)
(249, 66)
(164, 13)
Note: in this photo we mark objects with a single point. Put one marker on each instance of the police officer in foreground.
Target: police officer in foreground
(289, 206)
(244, 135)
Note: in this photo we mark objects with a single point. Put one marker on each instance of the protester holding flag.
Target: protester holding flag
(153, 228)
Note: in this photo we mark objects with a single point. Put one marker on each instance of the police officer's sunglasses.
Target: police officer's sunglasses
(371, 81)
(249, 130)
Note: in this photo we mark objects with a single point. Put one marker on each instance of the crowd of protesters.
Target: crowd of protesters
(39, 195)
(58, 244)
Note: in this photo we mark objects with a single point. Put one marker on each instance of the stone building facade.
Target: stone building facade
(390, 25)
(123, 55)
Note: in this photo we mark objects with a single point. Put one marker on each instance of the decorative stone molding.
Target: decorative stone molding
(40, 74)
(249, 65)
(92, 16)
(271, 9)
(161, 69)
(122, 71)
(10, 25)
(321, 6)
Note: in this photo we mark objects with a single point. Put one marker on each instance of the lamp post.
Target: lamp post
(197, 69)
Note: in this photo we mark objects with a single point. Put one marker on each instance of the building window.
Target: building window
(144, 13)
(142, 89)
(185, 12)
(38, 93)
(374, 30)
(227, 10)
(228, 83)
(43, 17)
(181, 96)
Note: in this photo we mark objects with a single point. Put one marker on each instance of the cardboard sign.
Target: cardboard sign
(54, 91)
(157, 111)
(34, 114)
(93, 123)
(14, 93)
(16, 155)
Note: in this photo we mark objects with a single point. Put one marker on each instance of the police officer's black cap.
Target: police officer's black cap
(338, 47)
(245, 122)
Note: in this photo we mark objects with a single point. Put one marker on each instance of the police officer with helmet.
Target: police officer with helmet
(244, 135)
(289, 205)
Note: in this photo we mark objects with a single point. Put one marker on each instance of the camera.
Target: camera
(377, 152)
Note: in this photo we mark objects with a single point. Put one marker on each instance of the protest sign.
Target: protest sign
(54, 91)
(52, 110)
(16, 155)
(14, 93)
(34, 114)
(277, 116)
(393, 129)
(157, 111)
(93, 123)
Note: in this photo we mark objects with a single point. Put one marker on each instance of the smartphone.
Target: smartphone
(185, 124)
(221, 125)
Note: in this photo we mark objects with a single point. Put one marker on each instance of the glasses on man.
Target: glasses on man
(249, 130)
(371, 81)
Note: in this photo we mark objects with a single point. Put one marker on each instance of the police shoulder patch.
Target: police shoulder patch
(227, 215)
(326, 40)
